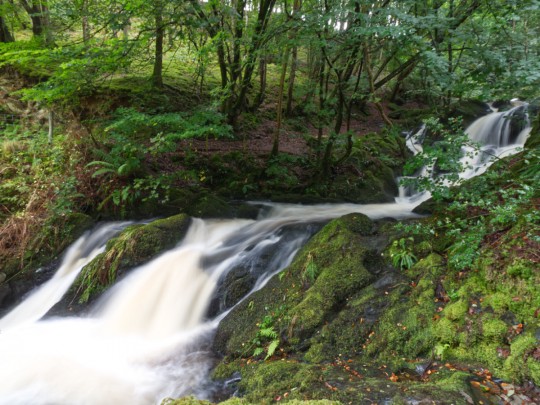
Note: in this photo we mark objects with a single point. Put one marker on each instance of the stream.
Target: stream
(149, 337)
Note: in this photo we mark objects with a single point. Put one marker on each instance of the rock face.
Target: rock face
(340, 323)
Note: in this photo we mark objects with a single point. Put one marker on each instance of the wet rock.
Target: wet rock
(470, 110)
(359, 223)
(5, 291)
(253, 264)
(135, 245)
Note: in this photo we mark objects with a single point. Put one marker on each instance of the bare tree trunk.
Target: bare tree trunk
(157, 74)
(292, 77)
(294, 62)
(85, 23)
(275, 146)
(367, 59)
(5, 34)
(262, 83)
(39, 15)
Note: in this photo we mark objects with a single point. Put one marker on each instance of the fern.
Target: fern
(271, 348)
(269, 333)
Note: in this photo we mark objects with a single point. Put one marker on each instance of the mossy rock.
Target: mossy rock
(185, 401)
(344, 381)
(368, 174)
(326, 272)
(534, 138)
(134, 246)
(469, 110)
(521, 365)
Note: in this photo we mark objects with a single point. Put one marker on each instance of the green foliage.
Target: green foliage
(133, 137)
(279, 173)
(441, 158)
(475, 210)
(71, 72)
(401, 253)
(441, 350)
(267, 338)
(311, 270)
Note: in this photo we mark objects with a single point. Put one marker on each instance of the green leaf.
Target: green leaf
(271, 348)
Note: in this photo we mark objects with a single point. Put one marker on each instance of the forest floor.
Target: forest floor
(258, 139)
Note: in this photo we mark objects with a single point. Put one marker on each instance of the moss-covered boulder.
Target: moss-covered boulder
(534, 138)
(134, 246)
(299, 301)
(196, 202)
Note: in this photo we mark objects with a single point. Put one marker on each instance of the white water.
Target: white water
(148, 339)
(495, 137)
(42, 299)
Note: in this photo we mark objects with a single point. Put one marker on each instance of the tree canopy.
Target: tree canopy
(350, 50)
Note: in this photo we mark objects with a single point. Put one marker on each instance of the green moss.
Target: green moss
(494, 330)
(358, 223)
(498, 301)
(262, 382)
(457, 310)
(310, 302)
(446, 331)
(136, 245)
(521, 269)
(517, 365)
(534, 370)
(430, 265)
(184, 401)
(338, 255)
(209, 206)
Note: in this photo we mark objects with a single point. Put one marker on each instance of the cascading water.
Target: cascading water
(42, 299)
(147, 339)
(498, 135)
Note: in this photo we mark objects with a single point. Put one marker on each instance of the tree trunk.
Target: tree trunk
(262, 83)
(39, 15)
(51, 126)
(157, 74)
(292, 76)
(5, 34)
(297, 5)
(372, 89)
(85, 23)
(275, 146)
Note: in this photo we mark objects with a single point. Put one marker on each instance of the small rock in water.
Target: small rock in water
(2, 277)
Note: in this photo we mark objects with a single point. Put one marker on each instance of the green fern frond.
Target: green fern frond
(271, 348)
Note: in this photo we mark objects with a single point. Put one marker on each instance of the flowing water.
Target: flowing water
(149, 338)
(495, 135)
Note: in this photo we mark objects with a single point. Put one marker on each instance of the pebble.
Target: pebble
(2, 277)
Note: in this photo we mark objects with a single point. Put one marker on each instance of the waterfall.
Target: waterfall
(42, 299)
(498, 134)
(148, 338)
(501, 129)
